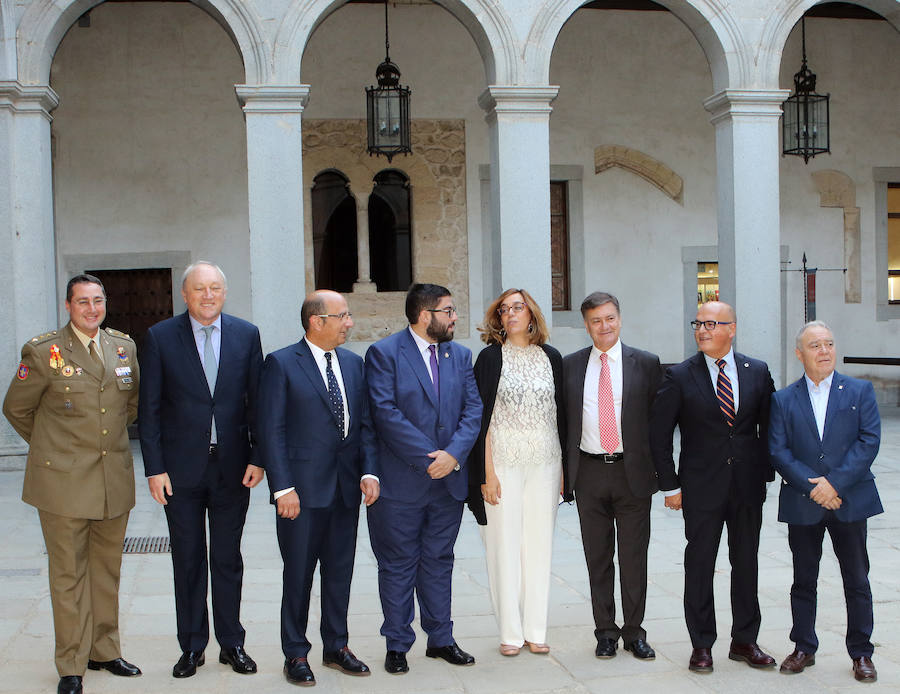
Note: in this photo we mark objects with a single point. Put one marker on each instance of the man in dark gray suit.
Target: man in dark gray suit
(609, 388)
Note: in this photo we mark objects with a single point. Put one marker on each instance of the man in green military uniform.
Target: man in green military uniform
(72, 398)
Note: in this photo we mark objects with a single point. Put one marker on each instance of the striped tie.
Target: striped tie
(724, 393)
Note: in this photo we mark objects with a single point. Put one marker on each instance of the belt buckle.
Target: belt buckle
(213, 448)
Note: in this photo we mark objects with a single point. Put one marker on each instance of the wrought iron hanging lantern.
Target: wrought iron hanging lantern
(806, 130)
(387, 107)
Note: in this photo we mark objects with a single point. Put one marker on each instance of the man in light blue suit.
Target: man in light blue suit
(427, 415)
(824, 434)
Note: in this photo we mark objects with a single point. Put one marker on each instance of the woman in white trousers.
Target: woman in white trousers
(515, 469)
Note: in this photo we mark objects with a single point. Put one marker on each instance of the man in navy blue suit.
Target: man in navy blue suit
(318, 447)
(824, 435)
(719, 398)
(427, 415)
(197, 415)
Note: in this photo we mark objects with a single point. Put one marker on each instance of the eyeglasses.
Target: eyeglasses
(450, 310)
(344, 315)
(517, 307)
(709, 324)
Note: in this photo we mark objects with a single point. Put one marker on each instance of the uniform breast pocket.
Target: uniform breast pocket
(69, 398)
(125, 382)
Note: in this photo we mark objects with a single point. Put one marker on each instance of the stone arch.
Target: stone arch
(7, 41)
(710, 21)
(837, 189)
(486, 21)
(643, 165)
(45, 22)
(780, 24)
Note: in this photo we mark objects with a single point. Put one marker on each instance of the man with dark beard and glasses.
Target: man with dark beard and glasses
(427, 415)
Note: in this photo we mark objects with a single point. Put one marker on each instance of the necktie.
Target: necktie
(95, 355)
(435, 375)
(211, 369)
(334, 394)
(609, 434)
(724, 393)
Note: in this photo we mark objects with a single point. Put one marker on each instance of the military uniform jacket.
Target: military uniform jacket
(74, 415)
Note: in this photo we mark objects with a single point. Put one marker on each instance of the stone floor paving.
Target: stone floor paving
(148, 620)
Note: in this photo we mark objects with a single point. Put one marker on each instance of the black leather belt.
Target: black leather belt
(213, 449)
(605, 457)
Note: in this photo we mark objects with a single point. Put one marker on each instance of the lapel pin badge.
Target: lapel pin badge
(841, 387)
(446, 355)
(746, 364)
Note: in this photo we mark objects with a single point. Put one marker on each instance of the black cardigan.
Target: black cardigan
(487, 376)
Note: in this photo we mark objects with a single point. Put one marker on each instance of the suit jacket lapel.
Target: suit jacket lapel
(627, 376)
(192, 356)
(311, 369)
(110, 358)
(835, 395)
(410, 351)
(575, 386)
(701, 377)
(347, 377)
(804, 405)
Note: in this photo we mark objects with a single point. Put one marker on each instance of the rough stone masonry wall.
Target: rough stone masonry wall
(437, 176)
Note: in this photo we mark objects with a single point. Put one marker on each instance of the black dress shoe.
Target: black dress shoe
(119, 666)
(640, 649)
(453, 654)
(606, 648)
(188, 663)
(701, 660)
(346, 662)
(395, 663)
(70, 684)
(296, 671)
(238, 659)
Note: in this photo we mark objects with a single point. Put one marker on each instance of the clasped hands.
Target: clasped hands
(824, 494)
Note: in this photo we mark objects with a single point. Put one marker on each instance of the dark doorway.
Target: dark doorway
(136, 299)
(334, 232)
(390, 247)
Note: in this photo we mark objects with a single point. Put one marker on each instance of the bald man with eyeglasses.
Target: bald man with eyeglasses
(720, 400)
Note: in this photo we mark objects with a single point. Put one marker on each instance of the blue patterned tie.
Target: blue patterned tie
(334, 394)
(724, 393)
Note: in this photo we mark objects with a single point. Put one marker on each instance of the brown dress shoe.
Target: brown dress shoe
(751, 654)
(864, 670)
(797, 661)
(701, 660)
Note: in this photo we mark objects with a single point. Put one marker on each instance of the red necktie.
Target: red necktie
(609, 435)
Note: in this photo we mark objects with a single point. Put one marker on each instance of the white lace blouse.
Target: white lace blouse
(523, 423)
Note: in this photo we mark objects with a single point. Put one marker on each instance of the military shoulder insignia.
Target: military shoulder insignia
(22, 373)
(43, 337)
(118, 333)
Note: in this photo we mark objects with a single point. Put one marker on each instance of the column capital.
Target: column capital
(27, 98)
(272, 98)
(745, 102)
(518, 99)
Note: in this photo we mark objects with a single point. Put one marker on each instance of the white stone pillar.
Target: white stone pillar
(747, 156)
(519, 122)
(27, 244)
(364, 283)
(275, 187)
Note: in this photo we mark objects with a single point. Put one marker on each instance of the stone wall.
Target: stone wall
(436, 171)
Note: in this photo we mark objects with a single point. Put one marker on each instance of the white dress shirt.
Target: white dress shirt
(424, 351)
(818, 398)
(590, 417)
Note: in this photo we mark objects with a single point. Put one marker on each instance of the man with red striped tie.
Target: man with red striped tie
(720, 401)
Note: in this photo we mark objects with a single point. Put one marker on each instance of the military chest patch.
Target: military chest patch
(22, 373)
(56, 360)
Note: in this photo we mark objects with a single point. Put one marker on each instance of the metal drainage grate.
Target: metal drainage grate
(146, 545)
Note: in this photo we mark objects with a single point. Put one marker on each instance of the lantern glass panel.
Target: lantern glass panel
(387, 119)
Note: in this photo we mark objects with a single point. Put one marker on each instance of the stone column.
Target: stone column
(275, 187)
(747, 156)
(364, 283)
(27, 244)
(519, 122)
